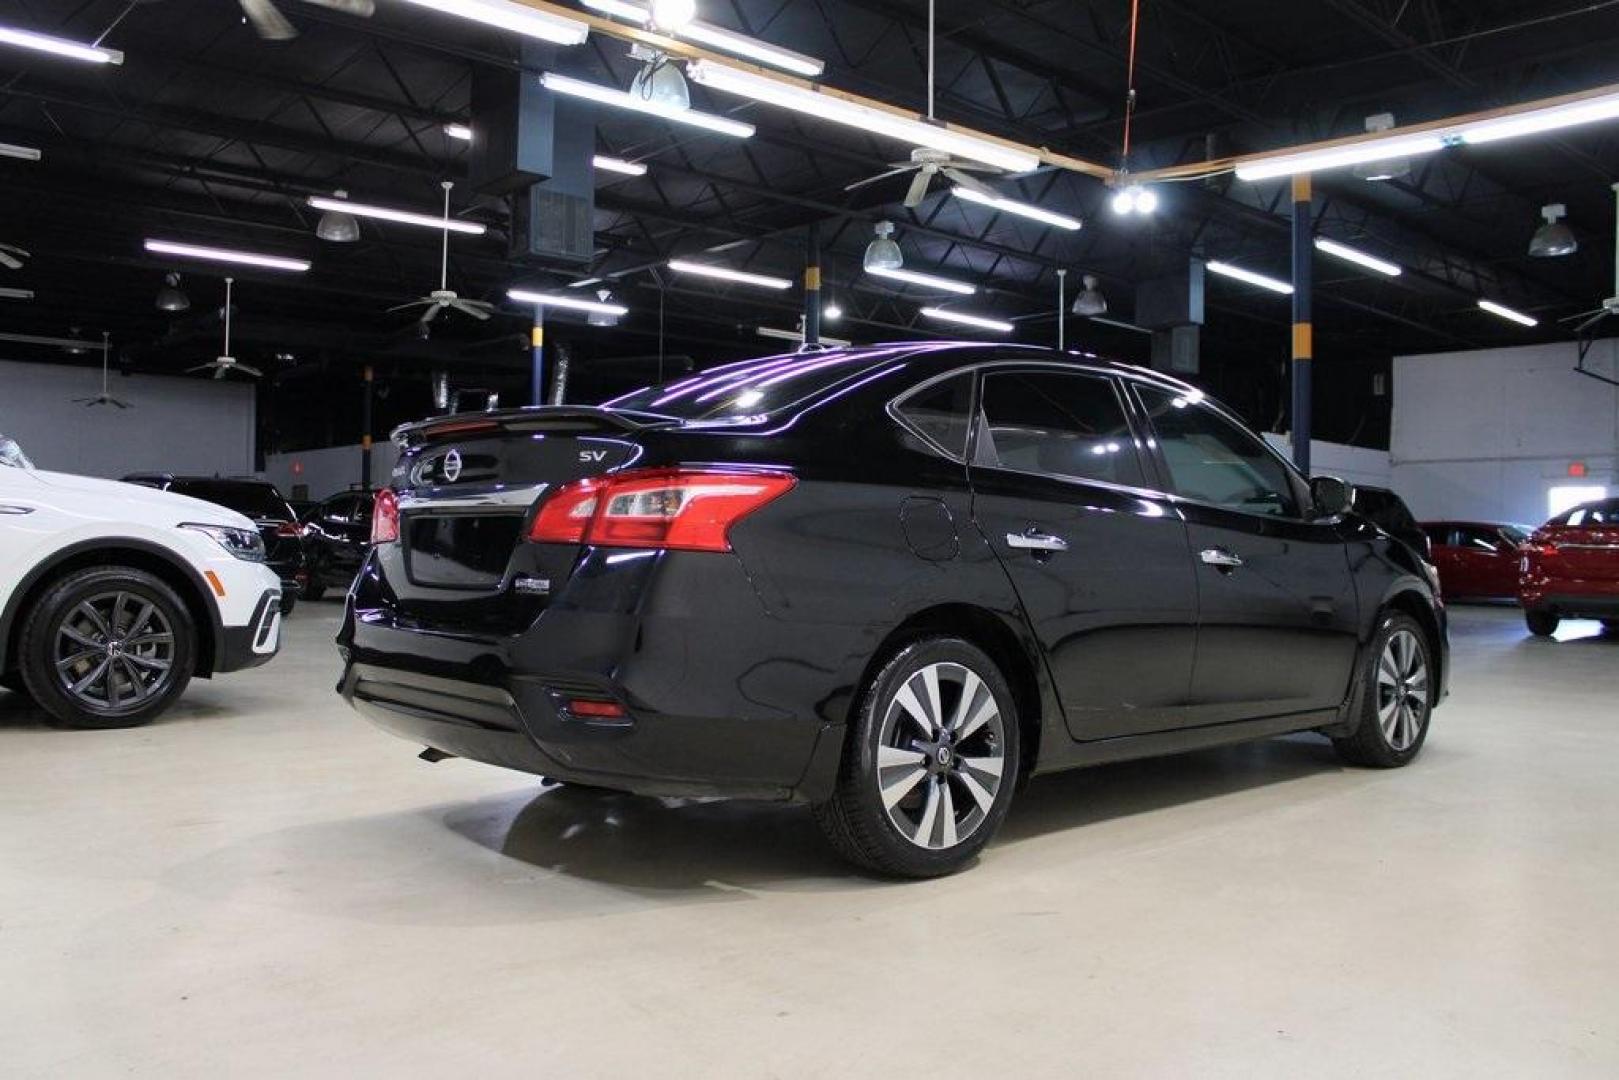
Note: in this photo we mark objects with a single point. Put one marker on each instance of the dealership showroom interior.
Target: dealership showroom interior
(782, 538)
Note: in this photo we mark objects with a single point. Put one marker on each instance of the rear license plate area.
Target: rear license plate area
(460, 551)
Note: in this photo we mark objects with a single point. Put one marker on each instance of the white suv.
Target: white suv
(113, 596)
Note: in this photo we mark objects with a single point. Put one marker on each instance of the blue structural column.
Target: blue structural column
(812, 285)
(1303, 333)
(536, 341)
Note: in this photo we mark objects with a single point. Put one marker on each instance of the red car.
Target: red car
(1477, 560)
(1571, 567)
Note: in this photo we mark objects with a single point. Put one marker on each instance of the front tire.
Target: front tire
(1397, 697)
(1541, 623)
(930, 765)
(107, 647)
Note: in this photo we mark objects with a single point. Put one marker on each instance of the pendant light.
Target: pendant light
(338, 226)
(1553, 238)
(171, 297)
(883, 253)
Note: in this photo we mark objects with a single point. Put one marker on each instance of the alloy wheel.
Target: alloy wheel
(1402, 690)
(940, 756)
(114, 651)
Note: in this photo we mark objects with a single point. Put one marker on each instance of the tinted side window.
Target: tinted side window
(1475, 539)
(1438, 535)
(1212, 460)
(363, 505)
(942, 412)
(1059, 423)
(337, 510)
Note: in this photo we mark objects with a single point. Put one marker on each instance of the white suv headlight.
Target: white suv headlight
(245, 544)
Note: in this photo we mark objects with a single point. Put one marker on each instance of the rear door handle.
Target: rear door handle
(1220, 557)
(1036, 541)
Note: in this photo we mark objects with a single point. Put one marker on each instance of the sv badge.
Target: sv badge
(588, 457)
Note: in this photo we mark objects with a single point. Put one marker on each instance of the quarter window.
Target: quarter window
(1215, 461)
(942, 413)
(1060, 423)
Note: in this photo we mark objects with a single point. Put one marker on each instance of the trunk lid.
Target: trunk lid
(467, 488)
(1587, 552)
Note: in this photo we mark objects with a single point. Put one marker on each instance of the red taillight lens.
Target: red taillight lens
(597, 710)
(683, 509)
(289, 529)
(566, 515)
(385, 518)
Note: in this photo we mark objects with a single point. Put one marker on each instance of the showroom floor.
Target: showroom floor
(264, 884)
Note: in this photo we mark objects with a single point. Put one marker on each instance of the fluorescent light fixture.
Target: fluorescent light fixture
(1227, 270)
(795, 335)
(572, 303)
(26, 153)
(618, 165)
(1337, 157)
(1012, 206)
(459, 131)
(717, 37)
(16, 294)
(518, 18)
(247, 258)
(725, 273)
(913, 277)
(813, 101)
(607, 95)
(639, 14)
(1552, 118)
(1507, 313)
(965, 319)
(404, 217)
(73, 50)
(1355, 255)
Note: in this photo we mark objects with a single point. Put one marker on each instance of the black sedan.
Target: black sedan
(337, 536)
(888, 582)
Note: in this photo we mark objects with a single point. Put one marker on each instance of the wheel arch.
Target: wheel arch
(137, 554)
(1413, 603)
(992, 633)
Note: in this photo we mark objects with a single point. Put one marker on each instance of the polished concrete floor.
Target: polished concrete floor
(260, 885)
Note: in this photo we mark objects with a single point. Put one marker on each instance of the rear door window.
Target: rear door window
(1058, 423)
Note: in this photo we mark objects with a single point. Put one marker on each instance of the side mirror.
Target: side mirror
(1331, 496)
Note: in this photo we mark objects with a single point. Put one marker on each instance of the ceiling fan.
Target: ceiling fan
(444, 297)
(105, 397)
(225, 363)
(268, 22)
(12, 256)
(927, 163)
(1587, 319)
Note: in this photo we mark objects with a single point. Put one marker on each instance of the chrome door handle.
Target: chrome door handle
(1036, 541)
(1220, 557)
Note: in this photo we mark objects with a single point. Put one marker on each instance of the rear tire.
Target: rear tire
(930, 764)
(1541, 623)
(1397, 693)
(107, 647)
(315, 589)
(14, 683)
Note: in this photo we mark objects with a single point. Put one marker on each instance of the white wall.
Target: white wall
(1485, 434)
(173, 425)
(1356, 464)
(327, 472)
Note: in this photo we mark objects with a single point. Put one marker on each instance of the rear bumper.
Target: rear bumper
(719, 698)
(1571, 597)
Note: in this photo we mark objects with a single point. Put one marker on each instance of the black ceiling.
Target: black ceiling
(208, 134)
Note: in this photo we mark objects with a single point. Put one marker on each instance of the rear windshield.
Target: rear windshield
(1601, 513)
(746, 389)
(259, 501)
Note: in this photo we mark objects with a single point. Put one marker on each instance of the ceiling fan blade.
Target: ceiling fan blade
(267, 20)
(220, 369)
(411, 304)
(476, 308)
(919, 188)
(10, 262)
(120, 404)
(971, 183)
(200, 367)
(362, 8)
(1592, 321)
(247, 369)
(902, 170)
(1582, 315)
(431, 313)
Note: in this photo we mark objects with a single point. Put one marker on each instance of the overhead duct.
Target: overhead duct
(1172, 308)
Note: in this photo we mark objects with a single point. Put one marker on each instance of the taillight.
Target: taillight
(682, 509)
(289, 529)
(385, 518)
(566, 515)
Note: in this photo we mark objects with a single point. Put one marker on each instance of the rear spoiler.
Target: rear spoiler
(569, 418)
